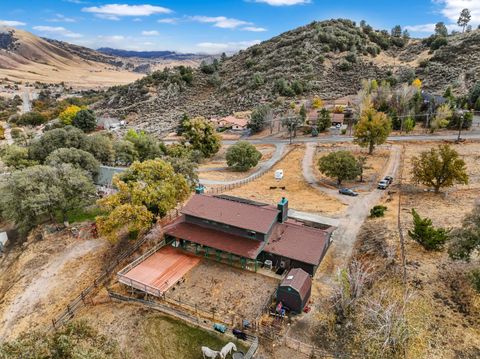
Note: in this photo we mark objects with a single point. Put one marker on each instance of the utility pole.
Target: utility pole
(460, 127)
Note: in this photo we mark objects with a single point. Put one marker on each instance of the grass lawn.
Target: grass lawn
(81, 215)
(167, 338)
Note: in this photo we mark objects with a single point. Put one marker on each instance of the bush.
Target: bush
(378, 211)
(475, 279)
(85, 120)
(31, 119)
(438, 43)
(424, 233)
(345, 66)
(2, 133)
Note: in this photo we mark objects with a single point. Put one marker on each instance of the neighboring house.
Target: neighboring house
(233, 123)
(248, 233)
(431, 99)
(294, 290)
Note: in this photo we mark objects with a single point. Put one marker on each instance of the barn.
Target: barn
(295, 289)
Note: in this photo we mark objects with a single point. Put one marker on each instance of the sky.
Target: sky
(214, 26)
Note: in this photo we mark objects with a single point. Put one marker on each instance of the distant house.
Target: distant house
(295, 290)
(233, 123)
(432, 99)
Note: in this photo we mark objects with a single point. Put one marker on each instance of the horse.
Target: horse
(227, 349)
(209, 353)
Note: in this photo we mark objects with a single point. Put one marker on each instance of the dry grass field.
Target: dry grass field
(300, 194)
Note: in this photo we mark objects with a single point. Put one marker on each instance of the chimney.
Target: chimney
(282, 210)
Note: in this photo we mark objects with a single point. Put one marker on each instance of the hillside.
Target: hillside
(328, 59)
(155, 55)
(26, 57)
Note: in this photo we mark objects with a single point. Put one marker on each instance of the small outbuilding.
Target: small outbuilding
(295, 289)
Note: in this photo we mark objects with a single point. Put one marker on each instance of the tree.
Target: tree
(317, 103)
(35, 194)
(261, 116)
(361, 161)
(439, 168)
(372, 129)
(147, 146)
(73, 340)
(31, 119)
(145, 190)
(242, 156)
(442, 117)
(125, 153)
(75, 157)
(100, 147)
(69, 114)
(201, 134)
(341, 165)
(464, 241)
(292, 123)
(396, 31)
(303, 113)
(16, 157)
(441, 29)
(426, 234)
(58, 138)
(85, 120)
(464, 19)
(324, 120)
(474, 94)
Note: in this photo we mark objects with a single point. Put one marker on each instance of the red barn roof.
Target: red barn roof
(241, 215)
(299, 280)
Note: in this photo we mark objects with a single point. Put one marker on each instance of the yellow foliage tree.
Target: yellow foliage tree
(372, 129)
(417, 83)
(146, 190)
(317, 103)
(69, 114)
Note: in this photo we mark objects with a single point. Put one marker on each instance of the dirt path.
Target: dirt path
(357, 212)
(35, 290)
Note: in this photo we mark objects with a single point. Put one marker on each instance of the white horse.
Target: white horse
(227, 349)
(209, 353)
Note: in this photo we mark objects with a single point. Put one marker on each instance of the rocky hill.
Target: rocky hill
(328, 59)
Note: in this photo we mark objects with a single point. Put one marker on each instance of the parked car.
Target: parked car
(347, 192)
(389, 179)
(383, 184)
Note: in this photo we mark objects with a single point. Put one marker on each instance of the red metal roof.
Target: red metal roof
(298, 242)
(226, 242)
(240, 215)
(299, 280)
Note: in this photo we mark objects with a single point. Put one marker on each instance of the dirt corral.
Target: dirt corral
(300, 194)
(226, 290)
(39, 278)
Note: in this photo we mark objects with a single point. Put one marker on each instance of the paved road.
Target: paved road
(277, 155)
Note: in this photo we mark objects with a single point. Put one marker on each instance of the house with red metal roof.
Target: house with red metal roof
(248, 234)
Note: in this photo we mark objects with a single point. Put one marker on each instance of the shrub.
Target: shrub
(31, 119)
(438, 43)
(345, 66)
(2, 133)
(475, 279)
(378, 211)
(424, 233)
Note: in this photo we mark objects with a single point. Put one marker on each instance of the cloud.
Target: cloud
(58, 30)
(221, 21)
(170, 20)
(451, 9)
(150, 33)
(115, 11)
(61, 18)
(11, 23)
(217, 47)
(254, 29)
(428, 28)
(283, 2)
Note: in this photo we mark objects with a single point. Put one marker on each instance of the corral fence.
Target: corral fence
(85, 297)
(251, 340)
(227, 187)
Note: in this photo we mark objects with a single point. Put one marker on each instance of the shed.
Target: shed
(295, 289)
